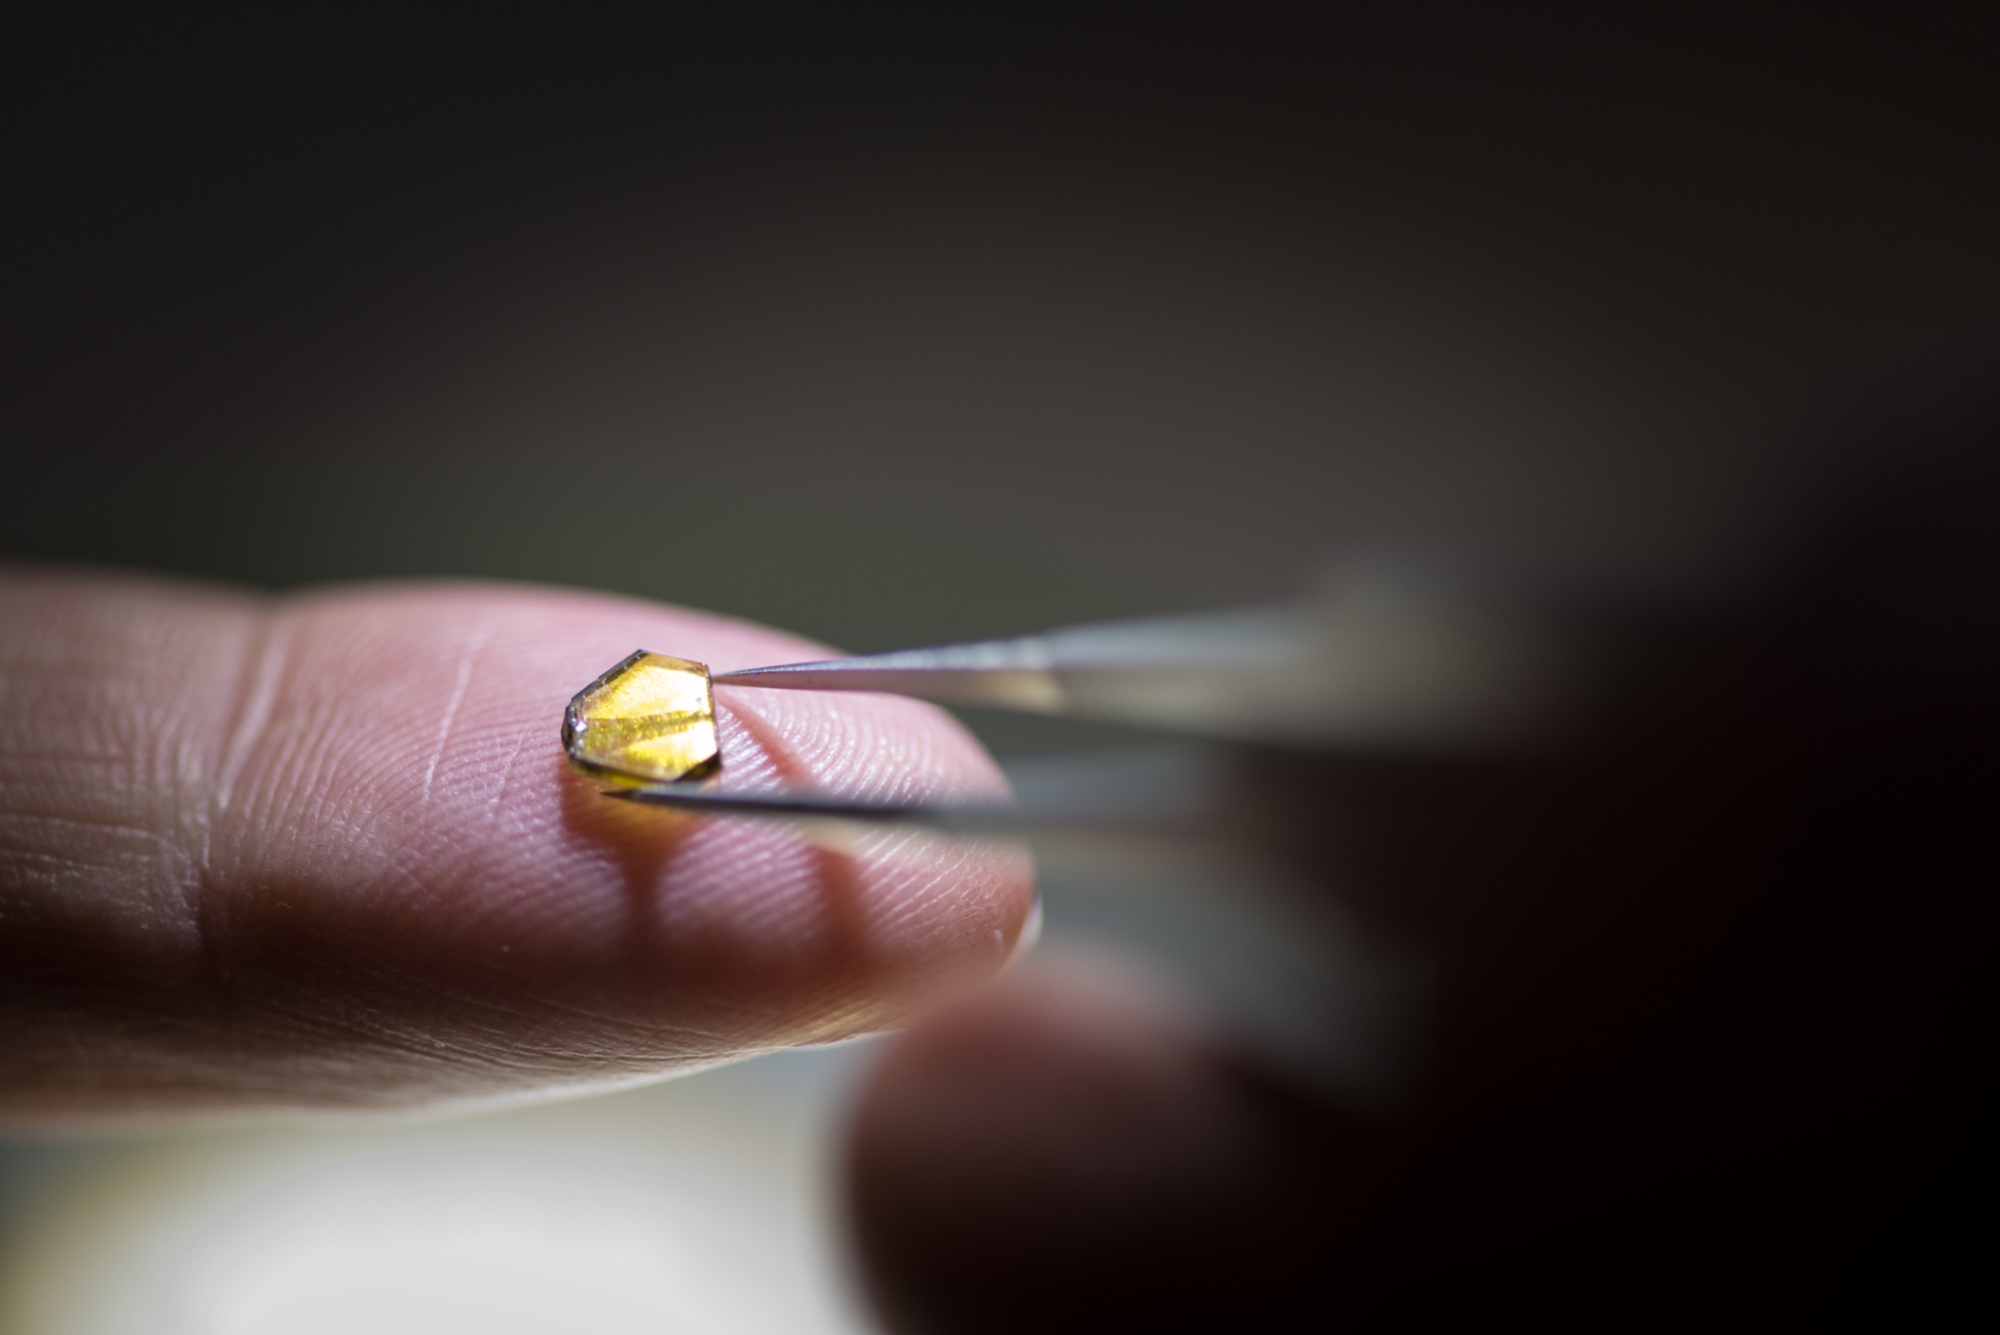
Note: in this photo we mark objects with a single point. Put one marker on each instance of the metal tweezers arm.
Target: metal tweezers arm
(1371, 668)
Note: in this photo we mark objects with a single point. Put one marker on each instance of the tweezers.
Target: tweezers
(1369, 667)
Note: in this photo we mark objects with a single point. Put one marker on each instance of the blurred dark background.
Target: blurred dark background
(898, 326)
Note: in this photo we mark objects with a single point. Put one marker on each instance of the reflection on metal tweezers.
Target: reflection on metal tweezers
(1144, 791)
(1374, 666)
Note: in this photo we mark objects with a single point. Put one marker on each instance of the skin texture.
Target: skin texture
(323, 852)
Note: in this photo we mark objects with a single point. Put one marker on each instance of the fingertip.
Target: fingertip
(365, 874)
(1061, 1152)
(731, 930)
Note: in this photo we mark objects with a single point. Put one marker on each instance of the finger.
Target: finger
(325, 850)
(1066, 1153)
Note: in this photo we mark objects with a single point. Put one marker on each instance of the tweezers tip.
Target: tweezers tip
(748, 676)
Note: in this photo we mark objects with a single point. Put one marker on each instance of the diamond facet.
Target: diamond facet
(651, 719)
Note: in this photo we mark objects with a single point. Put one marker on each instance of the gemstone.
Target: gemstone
(651, 719)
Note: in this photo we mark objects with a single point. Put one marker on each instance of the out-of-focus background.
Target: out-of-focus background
(893, 328)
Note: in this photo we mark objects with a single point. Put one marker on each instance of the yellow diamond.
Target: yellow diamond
(651, 719)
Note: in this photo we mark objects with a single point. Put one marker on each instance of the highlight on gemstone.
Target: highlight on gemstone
(651, 719)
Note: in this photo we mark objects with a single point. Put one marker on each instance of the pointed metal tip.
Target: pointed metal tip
(802, 805)
(751, 676)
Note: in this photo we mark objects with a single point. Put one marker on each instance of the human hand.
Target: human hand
(1702, 1043)
(323, 852)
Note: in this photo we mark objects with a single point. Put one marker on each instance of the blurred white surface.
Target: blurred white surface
(701, 1204)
